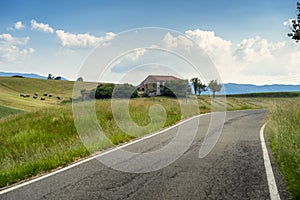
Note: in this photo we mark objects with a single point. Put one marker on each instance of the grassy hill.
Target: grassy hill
(11, 88)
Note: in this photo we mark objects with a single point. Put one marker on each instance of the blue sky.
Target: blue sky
(243, 38)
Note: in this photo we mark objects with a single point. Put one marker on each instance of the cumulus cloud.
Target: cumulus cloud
(257, 49)
(7, 38)
(19, 25)
(127, 60)
(208, 41)
(252, 60)
(10, 50)
(135, 54)
(218, 49)
(81, 40)
(41, 26)
(175, 42)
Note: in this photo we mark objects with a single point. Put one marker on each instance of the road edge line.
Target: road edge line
(102, 153)
(274, 195)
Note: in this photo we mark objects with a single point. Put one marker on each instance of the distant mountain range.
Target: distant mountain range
(26, 75)
(233, 88)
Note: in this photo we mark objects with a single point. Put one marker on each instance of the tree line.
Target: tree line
(173, 88)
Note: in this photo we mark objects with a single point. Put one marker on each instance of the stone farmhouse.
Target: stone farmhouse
(154, 85)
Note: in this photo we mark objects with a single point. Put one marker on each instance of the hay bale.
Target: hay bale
(58, 98)
(42, 98)
(50, 95)
(35, 96)
(45, 94)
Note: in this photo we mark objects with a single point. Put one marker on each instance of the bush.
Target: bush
(104, 91)
(125, 91)
(109, 90)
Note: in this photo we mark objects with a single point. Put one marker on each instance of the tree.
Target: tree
(195, 82)
(50, 77)
(104, 91)
(176, 88)
(202, 88)
(80, 79)
(57, 78)
(125, 91)
(295, 26)
(198, 85)
(214, 86)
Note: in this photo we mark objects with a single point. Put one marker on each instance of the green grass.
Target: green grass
(11, 88)
(284, 133)
(37, 142)
(6, 111)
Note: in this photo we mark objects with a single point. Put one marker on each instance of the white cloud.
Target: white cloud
(257, 49)
(130, 58)
(208, 41)
(10, 50)
(41, 26)
(81, 40)
(253, 60)
(135, 54)
(175, 42)
(19, 25)
(218, 49)
(288, 23)
(6, 38)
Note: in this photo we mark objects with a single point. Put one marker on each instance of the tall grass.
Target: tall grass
(284, 133)
(36, 142)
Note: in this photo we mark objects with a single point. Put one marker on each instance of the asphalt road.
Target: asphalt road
(233, 170)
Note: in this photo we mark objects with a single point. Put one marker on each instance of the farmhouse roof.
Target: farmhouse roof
(159, 78)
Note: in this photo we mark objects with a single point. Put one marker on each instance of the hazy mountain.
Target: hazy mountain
(234, 88)
(26, 75)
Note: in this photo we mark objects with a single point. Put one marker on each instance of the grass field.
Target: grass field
(44, 137)
(11, 88)
(6, 111)
(284, 133)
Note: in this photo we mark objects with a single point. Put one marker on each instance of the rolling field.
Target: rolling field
(11, 88)
(44, 137)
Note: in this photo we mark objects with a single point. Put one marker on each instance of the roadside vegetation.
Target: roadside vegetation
(284, 134)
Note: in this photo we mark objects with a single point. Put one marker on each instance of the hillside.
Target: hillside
(11, 88)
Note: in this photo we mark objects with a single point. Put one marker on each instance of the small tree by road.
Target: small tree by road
(214, 86)
(198, 85)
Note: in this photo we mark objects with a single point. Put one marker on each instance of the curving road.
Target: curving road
(233, 170)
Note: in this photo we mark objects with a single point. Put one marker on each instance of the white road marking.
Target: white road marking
(274, 195)
(97, 155)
